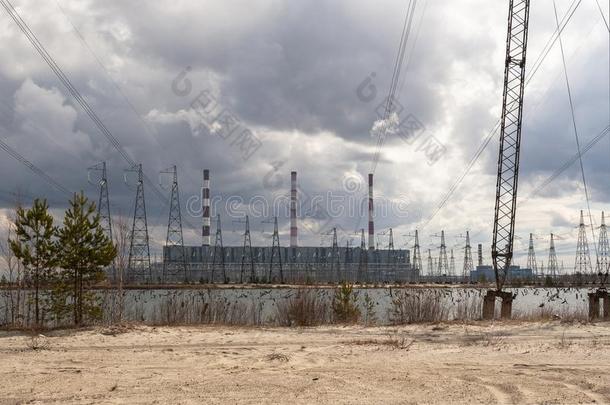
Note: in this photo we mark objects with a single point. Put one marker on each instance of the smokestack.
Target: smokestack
(371, 223)
(293, 210)
(206, 207)
(480, 254)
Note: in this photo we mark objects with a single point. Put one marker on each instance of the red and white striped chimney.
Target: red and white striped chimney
(371, 223)
(293, 210)
(206, 207)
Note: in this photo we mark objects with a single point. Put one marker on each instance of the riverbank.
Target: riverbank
(502, 362)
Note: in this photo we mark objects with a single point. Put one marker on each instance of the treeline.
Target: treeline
(60, 263)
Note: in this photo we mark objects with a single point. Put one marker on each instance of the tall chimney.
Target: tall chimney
(371, 223)
(206, 207)
(480, 254)
(293, 210)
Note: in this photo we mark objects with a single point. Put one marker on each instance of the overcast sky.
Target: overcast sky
(305, 80)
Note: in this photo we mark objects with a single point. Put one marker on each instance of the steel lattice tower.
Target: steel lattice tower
(582, 263)
(467, 258)
(451, 264)
(139, 251)
(219, 250)
(416, 254)
(276, 250)
(334, 259)
(603, 252)
(363, 262)
(553, 267)
(443, 266)
(247, 255)
(531, 256)
(510, 139)
(174, 242)
(430, 264)
(103, 205)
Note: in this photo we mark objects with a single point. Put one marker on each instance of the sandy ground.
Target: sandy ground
(513, 362)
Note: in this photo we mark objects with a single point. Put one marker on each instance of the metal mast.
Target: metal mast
(416, 254)
(430, 264)
(603, 251)
(553, 267)
(139, 251)
(219, 250)
(103, 205)
(334, 260)
(451, 264)
(246, 255)
(510, 139)
(174, 260)
(467, 258)
(364, 259)
(443, 266)
(531, 256)
(276, 250)
(582, 263)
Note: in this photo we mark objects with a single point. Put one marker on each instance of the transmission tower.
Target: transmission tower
(334, 260)
(531, 257)
(219, 250)
(467, 258)
(430, 264)
(363, 262)
(276, 250)
(139, 251)
(103, 205)
(582, 264)
(510, 140)
(451, 264)
(443, 266)
(246, 255)
(553, 267)
(416, 254)
(603, 252)
(174, 260)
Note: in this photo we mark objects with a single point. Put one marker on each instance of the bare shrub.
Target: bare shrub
(305, 308)
(468, 309)
(277, 357)
(38, 342)
(407, 308)
(394, 341)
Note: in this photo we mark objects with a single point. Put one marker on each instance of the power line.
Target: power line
(582, 168)
(539, 60)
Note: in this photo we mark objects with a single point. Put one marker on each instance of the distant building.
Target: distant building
(486, 273)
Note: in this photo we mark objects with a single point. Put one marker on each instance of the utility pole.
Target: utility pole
(139, 250)
(174, 256)
(508, 157)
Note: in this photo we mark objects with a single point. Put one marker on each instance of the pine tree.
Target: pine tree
(34, 246)
(85, 251)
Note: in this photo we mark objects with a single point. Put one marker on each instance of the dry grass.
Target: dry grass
(305, 308)
(409, 308)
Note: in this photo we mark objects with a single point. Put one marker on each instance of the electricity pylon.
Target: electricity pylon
(174, 256)
(451, 265)
(430, 264)
(276, 250)
(335, 259)
(553, 267)
(139, 251)
(582, 264)
(443, 266)
(219, 251)
(603, 251)
(103, 205)
(246, 256)
(531, 257)
(467, 259)
(363, 262)
(416, 254)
